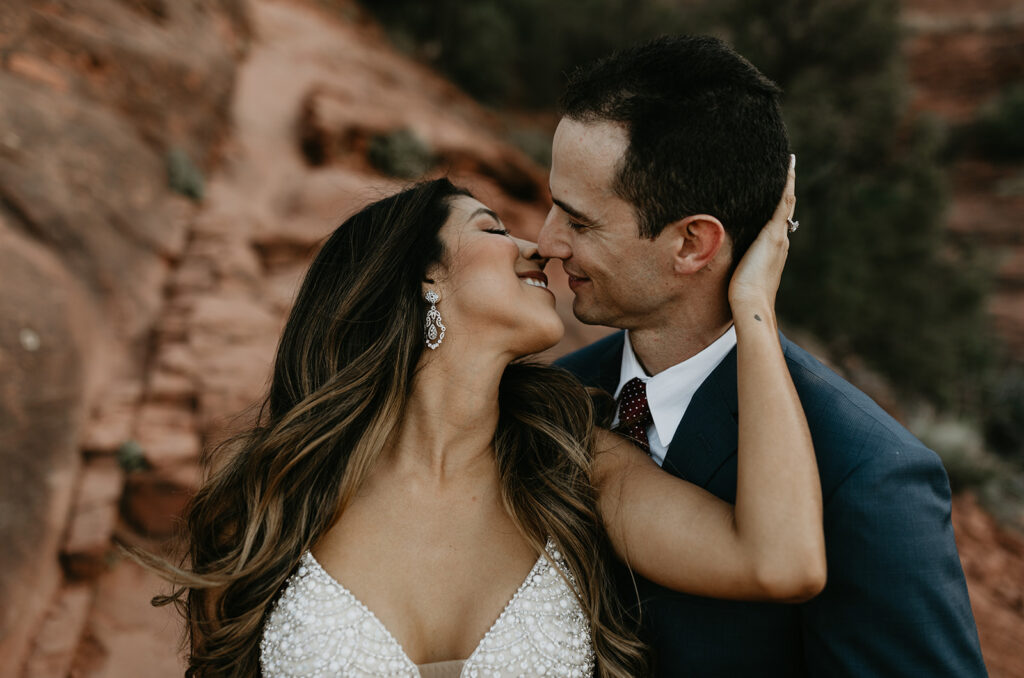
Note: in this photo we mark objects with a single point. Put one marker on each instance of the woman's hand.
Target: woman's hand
(759, 272)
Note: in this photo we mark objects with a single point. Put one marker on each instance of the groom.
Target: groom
(668, 159)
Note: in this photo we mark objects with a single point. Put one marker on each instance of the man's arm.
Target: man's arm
(896, 601)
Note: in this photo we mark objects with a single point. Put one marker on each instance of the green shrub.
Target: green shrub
(131, 457)
(999, 131)
(1004, 414)
(400, 154)
(962, 450)
(535, 143)
(516, 51)
(183, 176)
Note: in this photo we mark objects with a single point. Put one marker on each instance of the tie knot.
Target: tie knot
(633, 407)
(635, 413)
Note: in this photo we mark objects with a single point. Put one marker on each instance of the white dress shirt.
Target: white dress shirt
(669, 392)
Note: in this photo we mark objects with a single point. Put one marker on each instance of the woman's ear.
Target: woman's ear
(696, 241)
(428, 285)
(433, 279)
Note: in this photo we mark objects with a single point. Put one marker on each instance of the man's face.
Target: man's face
(619, 278)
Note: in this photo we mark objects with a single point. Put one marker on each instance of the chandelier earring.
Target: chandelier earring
(433, 328)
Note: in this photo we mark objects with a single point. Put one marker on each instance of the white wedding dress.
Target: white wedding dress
(319, 629)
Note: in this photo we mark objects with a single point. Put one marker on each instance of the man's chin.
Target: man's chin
(586, 313)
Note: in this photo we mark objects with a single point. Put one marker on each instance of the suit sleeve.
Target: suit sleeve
(896, 601)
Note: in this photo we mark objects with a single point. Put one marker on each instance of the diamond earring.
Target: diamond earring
(433, 328)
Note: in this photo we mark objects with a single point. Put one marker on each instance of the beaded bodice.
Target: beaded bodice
(319, 628)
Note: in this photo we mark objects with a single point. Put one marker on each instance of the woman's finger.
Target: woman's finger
(787, 203)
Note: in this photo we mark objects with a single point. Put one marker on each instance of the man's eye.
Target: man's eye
(576, 226)
(499, 231)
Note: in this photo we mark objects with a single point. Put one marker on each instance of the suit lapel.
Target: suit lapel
(610, 365)
(707, 434)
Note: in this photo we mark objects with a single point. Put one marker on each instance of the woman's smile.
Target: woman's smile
(535, 279)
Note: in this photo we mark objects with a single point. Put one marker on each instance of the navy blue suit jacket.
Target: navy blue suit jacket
(895, 603)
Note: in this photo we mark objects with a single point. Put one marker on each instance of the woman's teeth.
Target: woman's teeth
(535, 282)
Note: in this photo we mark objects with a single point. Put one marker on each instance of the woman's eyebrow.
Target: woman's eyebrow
(483, 210)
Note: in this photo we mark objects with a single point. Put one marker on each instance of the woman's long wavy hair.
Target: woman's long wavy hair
(342, 376)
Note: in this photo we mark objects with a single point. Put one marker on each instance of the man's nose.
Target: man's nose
(551, 242)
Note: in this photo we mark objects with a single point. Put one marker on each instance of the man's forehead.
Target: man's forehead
(584, 165)
(598, 139)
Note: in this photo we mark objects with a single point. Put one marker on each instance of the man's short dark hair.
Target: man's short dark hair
(705, 132)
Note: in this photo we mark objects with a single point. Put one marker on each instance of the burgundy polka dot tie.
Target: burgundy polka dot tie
(635, 413)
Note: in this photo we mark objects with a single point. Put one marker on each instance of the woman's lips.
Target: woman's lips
(535, 279)
(535, 275)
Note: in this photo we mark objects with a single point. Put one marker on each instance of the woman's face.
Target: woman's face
(492, 285)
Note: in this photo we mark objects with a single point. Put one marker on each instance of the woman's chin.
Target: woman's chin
(551, 343)
(543, 337)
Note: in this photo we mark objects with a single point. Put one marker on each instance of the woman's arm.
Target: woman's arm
(770, 545)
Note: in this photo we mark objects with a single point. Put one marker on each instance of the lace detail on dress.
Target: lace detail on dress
(319, 628)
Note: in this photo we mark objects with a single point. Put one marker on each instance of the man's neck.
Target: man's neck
(659, 347)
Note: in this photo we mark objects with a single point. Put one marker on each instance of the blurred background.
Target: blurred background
(168, 167)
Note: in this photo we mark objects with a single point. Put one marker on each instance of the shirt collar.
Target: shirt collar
(669, 392)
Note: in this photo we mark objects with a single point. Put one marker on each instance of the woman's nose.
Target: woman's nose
(528, 250)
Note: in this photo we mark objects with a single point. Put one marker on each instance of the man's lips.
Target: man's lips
(576, 280)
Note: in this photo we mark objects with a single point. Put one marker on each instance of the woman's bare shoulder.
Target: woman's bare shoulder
(608, 441)
(614, 453)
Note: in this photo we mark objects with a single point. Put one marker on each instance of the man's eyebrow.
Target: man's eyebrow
(575, 214)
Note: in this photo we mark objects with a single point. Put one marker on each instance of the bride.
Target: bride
(420, 502)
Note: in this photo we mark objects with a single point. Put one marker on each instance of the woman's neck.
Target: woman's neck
(447, 429)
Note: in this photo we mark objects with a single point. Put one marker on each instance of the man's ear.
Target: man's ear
(696, 241)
